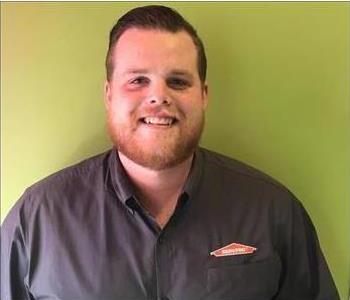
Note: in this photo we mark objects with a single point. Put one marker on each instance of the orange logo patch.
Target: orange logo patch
(233, 249)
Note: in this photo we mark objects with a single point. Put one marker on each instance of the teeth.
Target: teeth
(158, 121)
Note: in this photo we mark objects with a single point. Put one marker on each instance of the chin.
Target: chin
(156, 152)
(156, 158)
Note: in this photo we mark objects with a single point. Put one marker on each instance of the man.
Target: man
(157, 217)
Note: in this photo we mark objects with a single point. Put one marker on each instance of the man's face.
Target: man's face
(155, 100)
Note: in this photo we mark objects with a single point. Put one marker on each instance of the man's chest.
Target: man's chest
(124, 258)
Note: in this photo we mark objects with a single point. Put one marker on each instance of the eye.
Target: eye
(139, 81)
(178, 83)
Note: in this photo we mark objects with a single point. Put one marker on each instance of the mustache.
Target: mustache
(159, 112)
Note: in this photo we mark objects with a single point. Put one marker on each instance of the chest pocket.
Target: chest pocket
(244, 281)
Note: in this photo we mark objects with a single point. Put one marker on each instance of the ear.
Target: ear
(107, 94)
(205, 95)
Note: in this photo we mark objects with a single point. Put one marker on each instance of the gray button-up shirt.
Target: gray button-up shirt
(81, 234)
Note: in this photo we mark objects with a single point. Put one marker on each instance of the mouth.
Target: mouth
(159, 121)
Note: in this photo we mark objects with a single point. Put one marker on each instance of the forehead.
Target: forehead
(158, 49)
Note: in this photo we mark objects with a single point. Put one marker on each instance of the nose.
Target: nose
(159, 94)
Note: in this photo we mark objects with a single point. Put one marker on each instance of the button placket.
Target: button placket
(162, 267)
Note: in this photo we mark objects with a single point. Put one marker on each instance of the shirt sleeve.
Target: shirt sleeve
(305, 274)
(14, 261)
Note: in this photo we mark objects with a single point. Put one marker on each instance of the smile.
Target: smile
(160, 121)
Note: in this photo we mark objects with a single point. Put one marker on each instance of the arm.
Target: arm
(305, 274)
(14, 261)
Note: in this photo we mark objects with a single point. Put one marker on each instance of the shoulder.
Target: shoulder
(226, 166)
(241, 186)
(245, 183)
(80, 172)
(61, 189)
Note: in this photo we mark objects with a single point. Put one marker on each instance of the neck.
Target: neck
(158, 190)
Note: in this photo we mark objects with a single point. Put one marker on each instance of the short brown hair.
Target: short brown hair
(155, 17)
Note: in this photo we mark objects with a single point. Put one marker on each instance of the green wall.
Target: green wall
(279, 97)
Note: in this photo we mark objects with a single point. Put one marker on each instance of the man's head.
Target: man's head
(155, 93)
(155, 17)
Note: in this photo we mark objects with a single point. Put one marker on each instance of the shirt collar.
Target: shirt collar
(194, 177)
(125, 190)
(120, 180)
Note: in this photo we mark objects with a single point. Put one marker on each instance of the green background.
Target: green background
(278, 86)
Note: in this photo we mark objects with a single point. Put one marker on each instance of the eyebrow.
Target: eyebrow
(182, 73)
(177, 72)
(136, 71)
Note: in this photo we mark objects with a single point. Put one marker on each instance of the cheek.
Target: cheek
(124, 105)
(192, 107)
